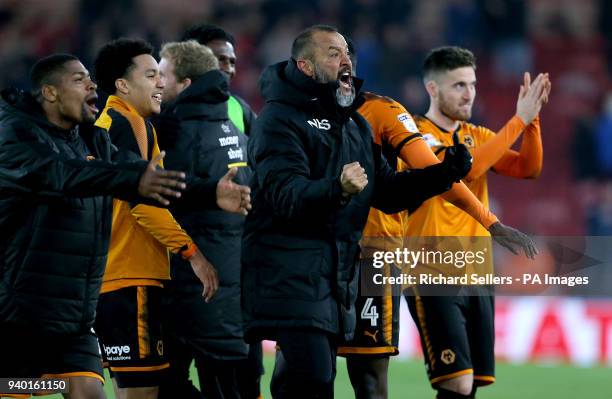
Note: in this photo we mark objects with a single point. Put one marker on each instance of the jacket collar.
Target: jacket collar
(206, 97)
(121, 105)
(284, 82)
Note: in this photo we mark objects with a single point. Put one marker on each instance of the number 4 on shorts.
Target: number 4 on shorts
(369, 312)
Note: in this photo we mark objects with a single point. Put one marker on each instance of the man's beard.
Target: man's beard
(343, 100)
(86, 116)
(456, 115)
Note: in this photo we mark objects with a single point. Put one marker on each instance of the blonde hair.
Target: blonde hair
(190, 58)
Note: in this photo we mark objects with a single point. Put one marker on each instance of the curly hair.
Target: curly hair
(116, 59)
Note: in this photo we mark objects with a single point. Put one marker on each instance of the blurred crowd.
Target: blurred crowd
(571, 39)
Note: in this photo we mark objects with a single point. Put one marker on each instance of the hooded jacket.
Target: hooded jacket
(206, 147)
(55, 217)
(301, 238)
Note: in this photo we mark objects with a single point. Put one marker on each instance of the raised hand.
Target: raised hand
(353, 179)
(233, 197)
(532, 95)
(158, 183)
(513, 240)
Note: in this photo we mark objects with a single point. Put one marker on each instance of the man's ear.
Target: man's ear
(49, 93)
(306, 66)
(122, 86)
(183, 84)
(432, 88)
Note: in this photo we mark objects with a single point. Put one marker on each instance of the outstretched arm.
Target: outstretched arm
(418, 155)
(28, 164)
(396, 191)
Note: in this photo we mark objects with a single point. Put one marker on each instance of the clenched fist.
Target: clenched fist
(353, 179)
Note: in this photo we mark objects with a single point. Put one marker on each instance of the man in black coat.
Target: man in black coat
(56, 188)
(316, 174)
(222, 44)
(206, 145)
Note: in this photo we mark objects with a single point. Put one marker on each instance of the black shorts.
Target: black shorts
(29, 353)
(457, 333)
(128, 323)
(377, 329)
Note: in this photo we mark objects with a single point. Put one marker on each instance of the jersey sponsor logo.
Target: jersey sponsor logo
(373, 336)
(235, 154)
(322, 124)
(408, 122)
(117, 352)
(231, 140)
(225, 127)
(447, 356)
(431, 140)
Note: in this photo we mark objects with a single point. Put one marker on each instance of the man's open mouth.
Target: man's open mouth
(346, 80)
(157, 97)
(91, 104)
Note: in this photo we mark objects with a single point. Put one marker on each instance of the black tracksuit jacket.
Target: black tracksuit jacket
(206, 146)
(300, 246)
(55, 218)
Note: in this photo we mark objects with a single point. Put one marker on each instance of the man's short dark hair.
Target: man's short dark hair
(302, 45)
(115, 60)
(46, 71)
(206, 33)
(448, 58)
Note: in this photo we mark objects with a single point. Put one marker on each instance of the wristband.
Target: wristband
(188, 250)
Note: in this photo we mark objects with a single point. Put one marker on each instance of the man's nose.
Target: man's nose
(346, 60)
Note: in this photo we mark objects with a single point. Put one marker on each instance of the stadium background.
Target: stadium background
(548, 347)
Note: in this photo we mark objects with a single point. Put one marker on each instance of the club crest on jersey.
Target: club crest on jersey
(431, 140)
(408, 122)
(468, 141)
(447, 356)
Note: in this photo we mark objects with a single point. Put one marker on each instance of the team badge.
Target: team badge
(468, 141)
(447, 356)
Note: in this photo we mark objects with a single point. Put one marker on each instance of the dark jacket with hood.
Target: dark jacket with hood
(207, 146)
(301, 239)
(54, 220)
